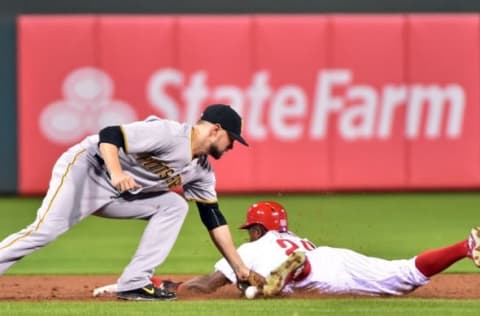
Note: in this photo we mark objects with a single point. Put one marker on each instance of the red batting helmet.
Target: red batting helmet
(271, 215)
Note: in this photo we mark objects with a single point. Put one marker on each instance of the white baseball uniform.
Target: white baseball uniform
(158, 156)
(333, 270)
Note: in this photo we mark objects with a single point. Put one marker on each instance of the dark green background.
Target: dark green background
(8, 108)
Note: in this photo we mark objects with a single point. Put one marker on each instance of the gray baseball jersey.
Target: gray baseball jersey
(158, 156)
(163, 162)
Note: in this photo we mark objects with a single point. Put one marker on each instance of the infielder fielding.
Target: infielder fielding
(288, 263)
(128, 171)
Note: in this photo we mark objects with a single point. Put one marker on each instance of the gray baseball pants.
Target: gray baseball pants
(78, 188)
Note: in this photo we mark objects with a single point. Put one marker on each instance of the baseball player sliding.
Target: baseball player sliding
(128, 171)
(287, 263)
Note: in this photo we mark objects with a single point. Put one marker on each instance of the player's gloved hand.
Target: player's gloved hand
(242, 273)
(254, 279)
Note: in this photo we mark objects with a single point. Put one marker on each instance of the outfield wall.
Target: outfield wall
(330, 102)
(8, 106)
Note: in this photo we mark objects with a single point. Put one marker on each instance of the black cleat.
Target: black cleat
(147, 293)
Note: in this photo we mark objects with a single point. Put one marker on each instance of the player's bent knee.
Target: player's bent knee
(183, 207)
(177, 205)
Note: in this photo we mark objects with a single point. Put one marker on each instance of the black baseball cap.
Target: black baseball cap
(228, 119)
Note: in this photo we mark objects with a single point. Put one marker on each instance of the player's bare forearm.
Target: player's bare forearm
(110, 157)
(222, 238)
(120, 180)
(204, 283)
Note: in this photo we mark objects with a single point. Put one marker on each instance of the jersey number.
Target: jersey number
(291, 246)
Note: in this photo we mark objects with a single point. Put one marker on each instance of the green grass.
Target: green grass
(353, 307)
(384, 225)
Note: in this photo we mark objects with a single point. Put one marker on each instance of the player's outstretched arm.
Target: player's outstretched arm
(216, 224)
(205, 283)
(222, 238)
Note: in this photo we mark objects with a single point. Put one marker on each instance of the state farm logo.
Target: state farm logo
(334, 103)
(86, 107)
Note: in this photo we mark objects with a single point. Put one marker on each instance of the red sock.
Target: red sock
(435, 261)
(156, 281)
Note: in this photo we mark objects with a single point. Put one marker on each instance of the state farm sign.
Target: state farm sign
(364, 112)
(329, 102)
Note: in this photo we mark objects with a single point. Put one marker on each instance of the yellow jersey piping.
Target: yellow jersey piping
(191, 143)
(125, 142)
(28, 233)
(203, 201)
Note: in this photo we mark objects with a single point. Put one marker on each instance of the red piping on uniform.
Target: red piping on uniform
(307, 268)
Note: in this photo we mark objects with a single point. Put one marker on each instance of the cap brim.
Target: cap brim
(238, 138)
(245, 226)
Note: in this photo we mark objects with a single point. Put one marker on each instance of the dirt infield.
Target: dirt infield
(79, 288)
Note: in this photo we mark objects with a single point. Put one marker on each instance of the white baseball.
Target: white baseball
(250, 292)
